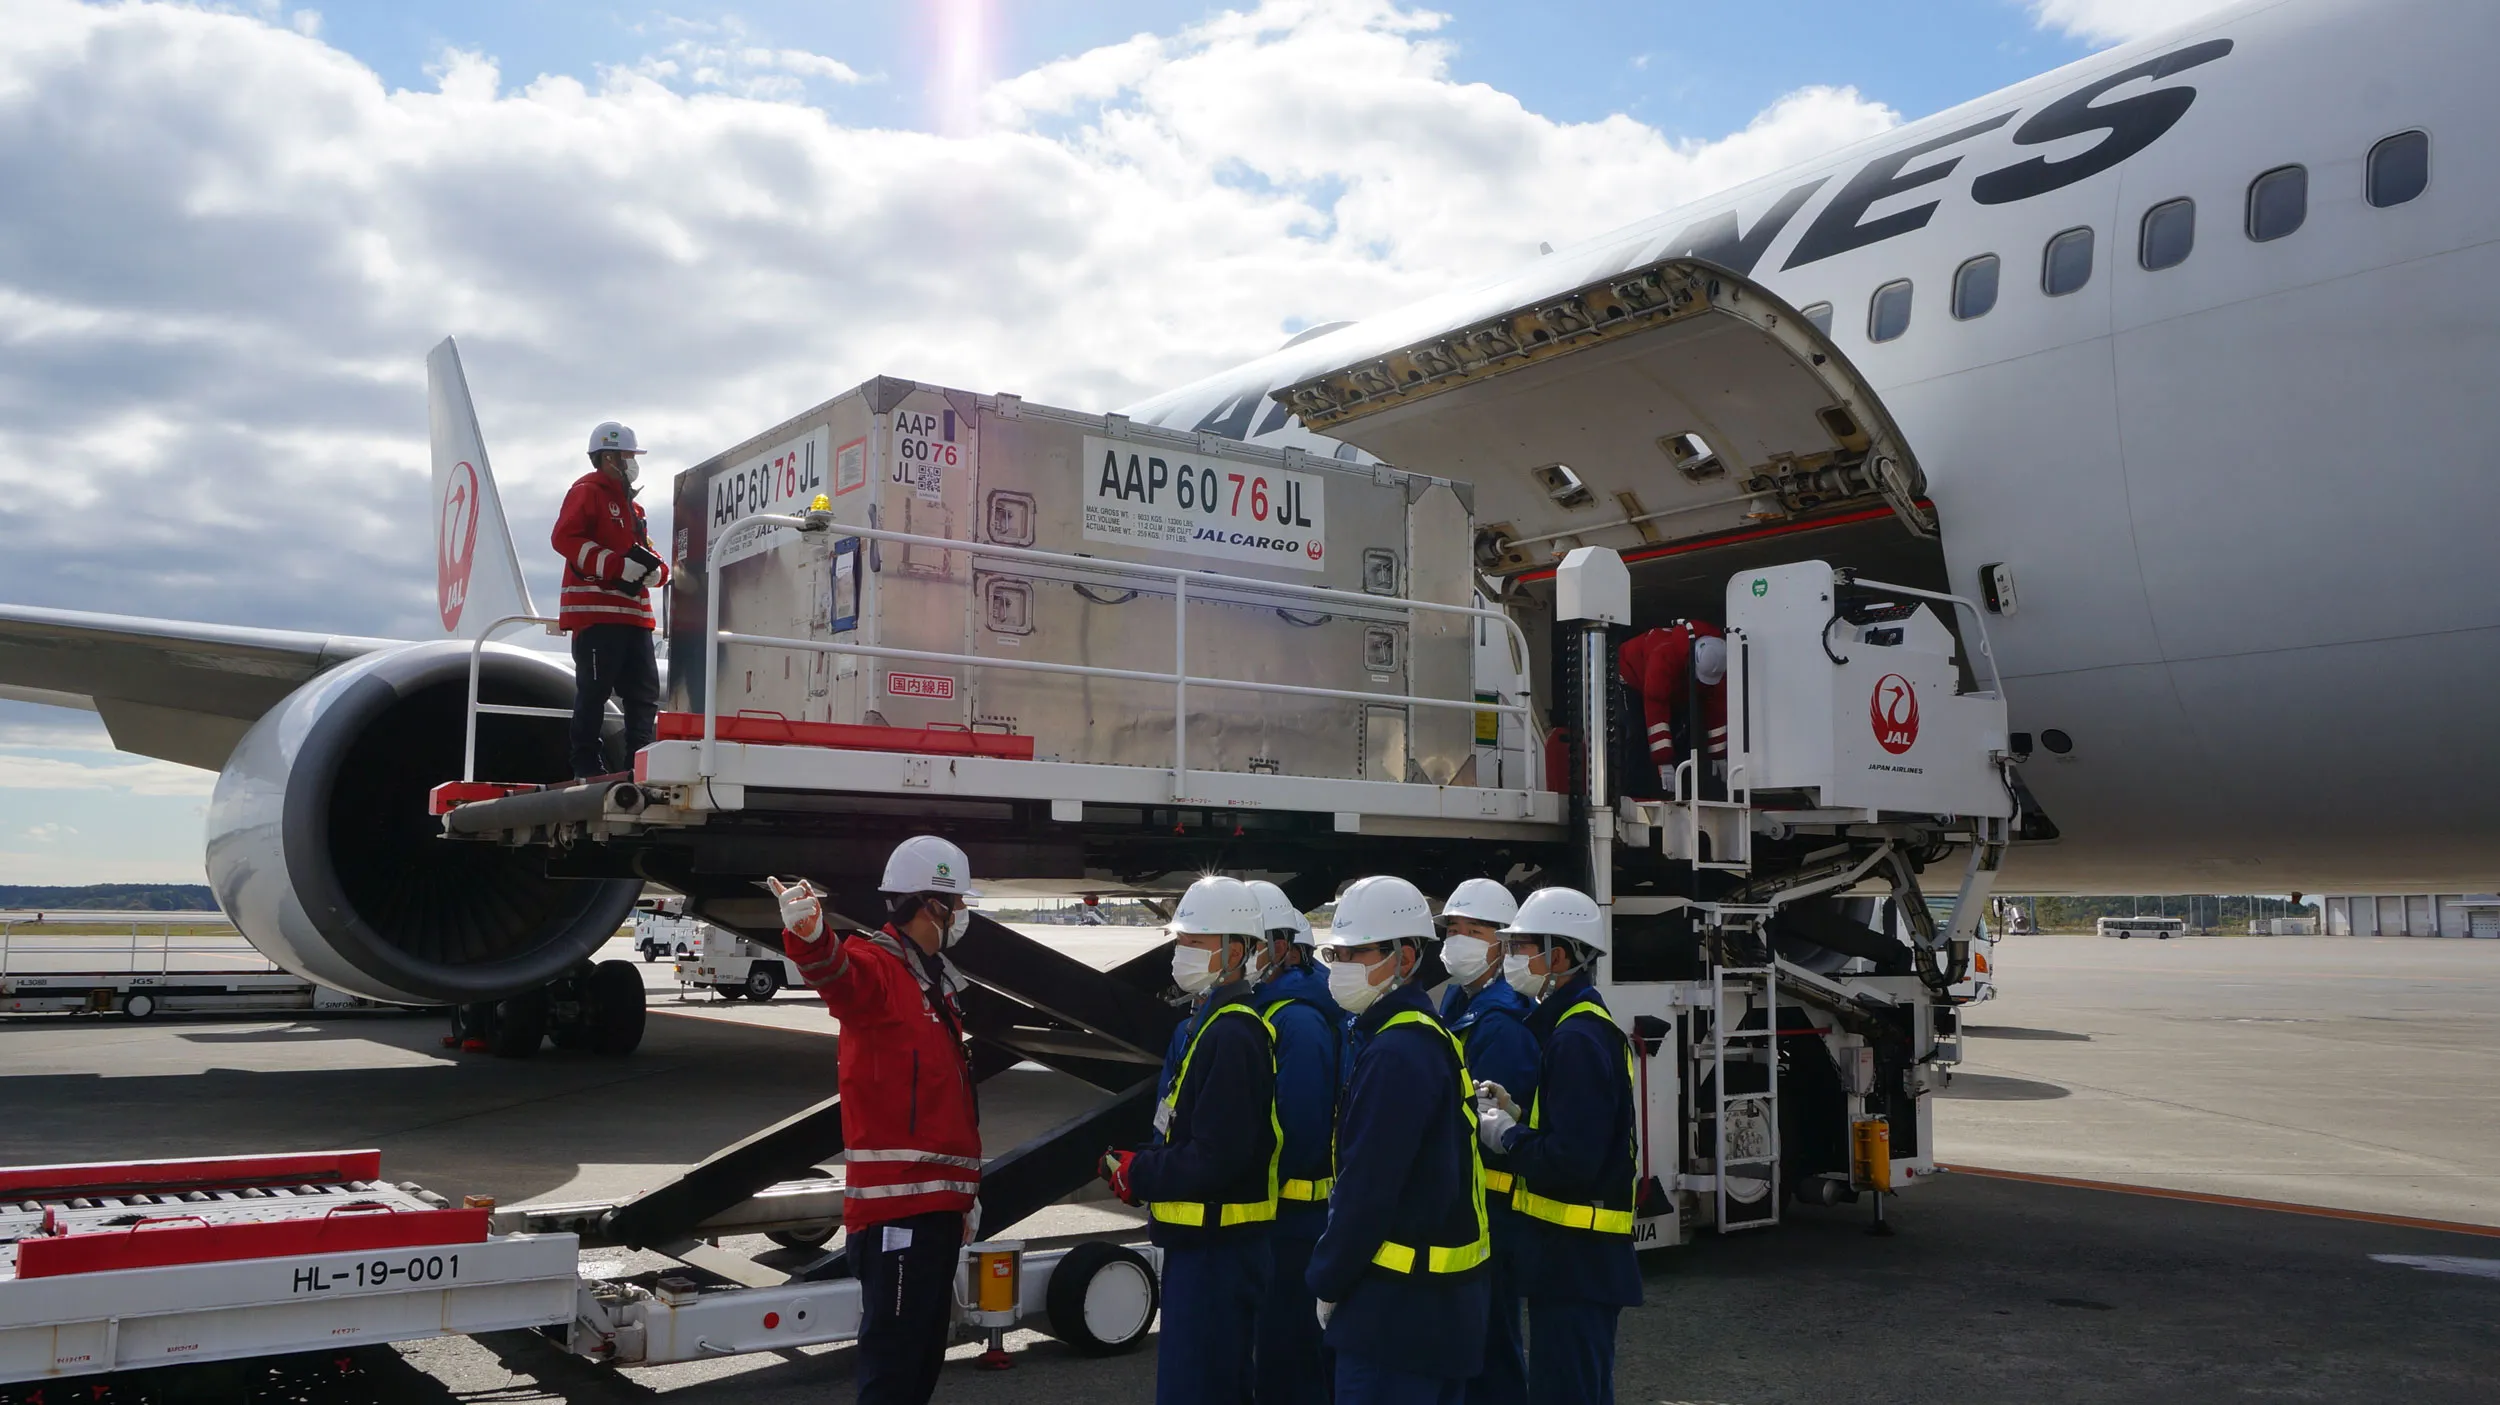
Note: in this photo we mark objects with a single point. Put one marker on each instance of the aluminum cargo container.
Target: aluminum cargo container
(994, 471)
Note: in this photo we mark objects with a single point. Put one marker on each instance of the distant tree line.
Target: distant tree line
(2200, 910)
(111, 897)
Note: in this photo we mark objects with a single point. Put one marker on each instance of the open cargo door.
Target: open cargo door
(1667, 409)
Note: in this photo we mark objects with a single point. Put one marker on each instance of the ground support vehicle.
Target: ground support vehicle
(147, 974)
(1790, 991)
(663, 930)
(736, 967)
(123, 1266)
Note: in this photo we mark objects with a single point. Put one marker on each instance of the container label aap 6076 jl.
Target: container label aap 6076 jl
(1174, 500)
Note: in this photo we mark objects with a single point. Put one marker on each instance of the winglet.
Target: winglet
(476, 572)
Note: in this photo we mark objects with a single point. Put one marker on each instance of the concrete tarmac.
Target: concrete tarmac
(2351, 1073)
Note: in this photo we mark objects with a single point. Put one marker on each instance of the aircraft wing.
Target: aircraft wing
(169, 689)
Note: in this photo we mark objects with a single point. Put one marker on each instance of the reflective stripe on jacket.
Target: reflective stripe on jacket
(1576, 1158)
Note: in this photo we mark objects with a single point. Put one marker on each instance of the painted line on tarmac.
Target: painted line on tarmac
(2327, 1212)
(2442, 1263)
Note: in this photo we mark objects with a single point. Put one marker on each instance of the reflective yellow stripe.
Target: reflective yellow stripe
(1571, 1216)
(1497, 1180)
(1563, 1212)
(1446, 1258)
(1306, 1190)
(1194, 1213)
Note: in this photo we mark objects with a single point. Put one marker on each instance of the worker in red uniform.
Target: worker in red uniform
(910, 1123)
(609, 573)
(1664, 666)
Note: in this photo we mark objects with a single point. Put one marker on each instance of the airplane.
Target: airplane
(2172, 355)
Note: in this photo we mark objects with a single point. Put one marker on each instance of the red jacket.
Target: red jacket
(599, 525)
(1658, 664)
(910, 1125)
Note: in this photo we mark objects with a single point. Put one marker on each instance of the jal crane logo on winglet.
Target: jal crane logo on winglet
(455, 543)
(1893, 711)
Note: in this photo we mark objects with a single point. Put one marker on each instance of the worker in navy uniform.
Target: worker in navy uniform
(1209, 1179)
(1491, 1022)
(1572, 1160)
(1309, 1034)
(1401, 1272)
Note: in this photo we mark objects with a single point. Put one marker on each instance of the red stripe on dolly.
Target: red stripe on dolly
(161, 1244)
(1731, 538)
(770, 729)
(197, 1173)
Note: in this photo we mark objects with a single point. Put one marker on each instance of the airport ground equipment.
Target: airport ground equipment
(108, 1267)
(662, 929)
(930, 611)
(140, 974)
(738, 967)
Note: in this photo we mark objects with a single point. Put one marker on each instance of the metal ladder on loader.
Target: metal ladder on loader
(1747, 1126)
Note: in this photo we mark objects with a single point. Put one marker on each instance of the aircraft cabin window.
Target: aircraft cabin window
(2169, 234)
(1888, 312)
(2278, 202)
(2400, 168)
(1820, 314)
(2066, 265)
(1975, 288)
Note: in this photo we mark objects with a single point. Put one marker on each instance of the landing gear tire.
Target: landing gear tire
(763, 983)
(1102, 1299)
(139, 1007)
(802, 1238)
(614, 1008)
(520, 1025)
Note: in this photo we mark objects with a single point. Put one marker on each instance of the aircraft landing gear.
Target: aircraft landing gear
(597, 1007)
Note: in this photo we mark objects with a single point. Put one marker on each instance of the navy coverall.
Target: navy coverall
(1577, 1280)
(1493, 1024)
(1217, 1157)
(1406, 1175)
(1310, 1066)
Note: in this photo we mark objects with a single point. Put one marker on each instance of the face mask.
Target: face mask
(1528, 983)
(957, 925)
(1466, 957)
(633, 470)
(1350, 985)
(1193, 970)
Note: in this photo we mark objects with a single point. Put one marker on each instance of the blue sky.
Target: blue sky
(1692, 69)
(233, 229)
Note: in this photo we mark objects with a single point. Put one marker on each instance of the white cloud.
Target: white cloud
(228, 246)
(2116, 21)
(107, 771)
(49, 833)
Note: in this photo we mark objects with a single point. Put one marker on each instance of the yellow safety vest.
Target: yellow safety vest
(1445, 1258)
(1600, 1218)
(1195, 1213)
(1297, 1188)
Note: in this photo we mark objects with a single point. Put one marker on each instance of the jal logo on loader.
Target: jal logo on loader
(1893, 711)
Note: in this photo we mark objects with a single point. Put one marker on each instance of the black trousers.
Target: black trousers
(617, 659)
(906, 1273)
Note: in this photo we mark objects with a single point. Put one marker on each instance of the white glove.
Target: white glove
(1492, 1125)
(633, 572)
(802, 908)
(1325, 1309)
(1499, 1096)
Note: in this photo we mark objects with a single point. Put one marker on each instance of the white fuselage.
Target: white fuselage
(2249, 501)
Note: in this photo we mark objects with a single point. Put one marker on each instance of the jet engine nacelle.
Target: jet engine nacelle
(321, 849)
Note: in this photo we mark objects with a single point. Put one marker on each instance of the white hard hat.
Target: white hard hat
(1482, 899)
(1710, 660)
(925, 863)
(1217, 907)
(1560, 912)
(1381, 909)
(1277, 912)
(612, 435)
